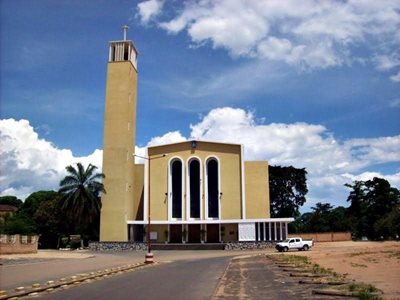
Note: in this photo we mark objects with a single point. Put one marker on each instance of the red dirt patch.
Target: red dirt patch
(377, 263)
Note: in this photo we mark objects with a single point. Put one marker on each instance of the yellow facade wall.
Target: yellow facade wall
(160, 229)
(230, 232)
(119, 141)
(257, 189)
(229, 157)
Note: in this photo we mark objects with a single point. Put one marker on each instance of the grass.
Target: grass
(355, 265)
(363, 291)
(395, 254)
(360, 253)
(294, 259)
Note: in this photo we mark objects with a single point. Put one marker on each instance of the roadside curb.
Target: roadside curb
(70, 281)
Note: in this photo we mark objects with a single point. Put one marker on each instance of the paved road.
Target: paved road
(27, 271)
(191, 279)
(254, 277)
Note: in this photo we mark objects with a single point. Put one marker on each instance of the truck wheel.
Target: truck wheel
(305, 247)
(285, 249)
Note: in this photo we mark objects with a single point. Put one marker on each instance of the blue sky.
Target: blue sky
(314, 85)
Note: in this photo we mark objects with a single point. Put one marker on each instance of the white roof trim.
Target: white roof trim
(188, 141)
(164, 222)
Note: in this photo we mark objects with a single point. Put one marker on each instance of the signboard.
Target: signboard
(153, 235)
(247, 232)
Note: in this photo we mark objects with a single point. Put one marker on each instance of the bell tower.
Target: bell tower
(119, 139)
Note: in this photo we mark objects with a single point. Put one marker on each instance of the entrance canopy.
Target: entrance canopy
(211, 221)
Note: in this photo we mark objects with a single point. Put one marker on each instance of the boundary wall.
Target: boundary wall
(18, 244)
(324, 236)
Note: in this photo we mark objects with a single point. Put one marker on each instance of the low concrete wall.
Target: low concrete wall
(324, 236)
(18, 244)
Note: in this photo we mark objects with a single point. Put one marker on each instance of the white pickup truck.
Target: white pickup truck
(294, 243)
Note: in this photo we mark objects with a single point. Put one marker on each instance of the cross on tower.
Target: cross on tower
(125, 28)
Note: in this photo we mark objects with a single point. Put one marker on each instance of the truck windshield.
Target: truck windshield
(286, 241)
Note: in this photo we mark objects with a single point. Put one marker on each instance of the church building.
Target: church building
(191, 192)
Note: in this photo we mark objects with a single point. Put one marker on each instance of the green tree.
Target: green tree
(51, 223)
(319, 221)
(18, 224)
(11, 200)
(372, 201)
(32, 202)
(338, 219)
(24, 222)
(389, 226)
(288, 187)
(80, 197)
(323, 218)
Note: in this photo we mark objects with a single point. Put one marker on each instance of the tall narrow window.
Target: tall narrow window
(194, 185)
(176, 175)
(212, 188)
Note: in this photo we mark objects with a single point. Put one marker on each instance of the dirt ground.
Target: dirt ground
(377, 263)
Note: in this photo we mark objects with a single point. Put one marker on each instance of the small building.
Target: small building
(7, 210)
(193, 191)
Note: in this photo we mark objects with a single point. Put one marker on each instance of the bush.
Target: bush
(75, 244)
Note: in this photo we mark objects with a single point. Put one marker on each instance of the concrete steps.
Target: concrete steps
(187, 246)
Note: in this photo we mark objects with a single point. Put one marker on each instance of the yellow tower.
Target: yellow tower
(119, 140)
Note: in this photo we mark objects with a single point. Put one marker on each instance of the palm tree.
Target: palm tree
(80, 195)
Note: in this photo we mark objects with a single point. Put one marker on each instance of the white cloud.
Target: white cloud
(395, 103)
(329, 162)
(168, 138)
(149, 9)
(386, 62)
(29, 163)
(311, 34)
(394, 179)
(396, 77)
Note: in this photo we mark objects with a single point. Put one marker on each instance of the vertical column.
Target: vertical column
(275, 231)
(286, 230)
(265, 233)
(131, 233)
(280, 228)
(269, 230)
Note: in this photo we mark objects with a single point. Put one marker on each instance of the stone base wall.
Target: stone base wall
(249, 245)
(137, 246)
(117, 246)
(18, 244)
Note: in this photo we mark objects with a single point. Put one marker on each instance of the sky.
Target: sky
(312, 84)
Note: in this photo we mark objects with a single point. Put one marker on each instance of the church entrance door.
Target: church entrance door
(212, 233)
(194, 233)
(175, 233)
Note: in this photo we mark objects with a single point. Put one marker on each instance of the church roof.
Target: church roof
(197, 141)
(8, 208)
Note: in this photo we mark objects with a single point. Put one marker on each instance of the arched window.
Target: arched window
(194, 188)
(176, 189)
(212, 188)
